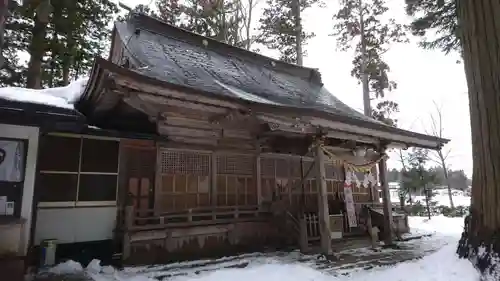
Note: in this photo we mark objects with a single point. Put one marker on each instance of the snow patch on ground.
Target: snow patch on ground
(68, 267)
(62, 97)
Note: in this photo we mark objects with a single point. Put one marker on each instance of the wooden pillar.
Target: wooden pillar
(324, 216)
(386, 201)
(303, 240)
(158, 181)
(258, 181)
(129, 222)
(213, 180)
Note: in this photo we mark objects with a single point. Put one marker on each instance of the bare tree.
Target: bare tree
(246, 9)
(439, 156)
(402, 188)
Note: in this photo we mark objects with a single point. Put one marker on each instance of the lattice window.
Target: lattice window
(235, 180)
(185, 163)
(234, 164)
(185, 180)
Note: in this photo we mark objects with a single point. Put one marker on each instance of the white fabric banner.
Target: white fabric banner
(349, 205)
(11, 161)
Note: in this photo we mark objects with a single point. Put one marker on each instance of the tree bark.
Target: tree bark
(298, 28)
(249, 24)
(480, 26)
(364, 64)
(37, 50)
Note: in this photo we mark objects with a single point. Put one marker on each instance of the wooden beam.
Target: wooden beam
(324, 216)
(158, 179)
(287, 123)
(342, 127)
(158, 100)
(172, 111)
(235, 144)
(161, 91)
(231, 116)
(237, 134)
(201, 144)
(258, 180)
(290, 124)
(180, 140)
(190, 123)
(142, 106)
(346, 136)
(187, 132)
(213, 180)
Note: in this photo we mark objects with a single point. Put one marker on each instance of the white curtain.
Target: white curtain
(11, 160)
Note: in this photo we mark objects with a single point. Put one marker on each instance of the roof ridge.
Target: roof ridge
(165, 29)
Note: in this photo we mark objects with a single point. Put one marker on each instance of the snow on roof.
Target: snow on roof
(62, 97)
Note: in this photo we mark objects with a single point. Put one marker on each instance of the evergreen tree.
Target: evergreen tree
(221, 20)
(361, 26)
(169, 11)
(437, 18)
(61, 37)
(417, 178)
(480, 40)
(12, 70)
(279, 26)
(6, 8)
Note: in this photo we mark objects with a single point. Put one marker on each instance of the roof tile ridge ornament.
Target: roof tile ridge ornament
(315, 77)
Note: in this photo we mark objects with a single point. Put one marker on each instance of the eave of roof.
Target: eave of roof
(95, 96)
(40, 115)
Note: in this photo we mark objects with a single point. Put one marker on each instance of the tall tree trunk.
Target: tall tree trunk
(480, 26)
(364, 64)
(37, 50)
(65, 73)
(249, 24)
(298, 29)
(4, 10)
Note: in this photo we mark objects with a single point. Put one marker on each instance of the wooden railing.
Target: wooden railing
(135, 221)
(311, 222)
(149, 219)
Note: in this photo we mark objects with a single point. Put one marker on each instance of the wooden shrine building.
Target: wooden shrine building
(241, 162)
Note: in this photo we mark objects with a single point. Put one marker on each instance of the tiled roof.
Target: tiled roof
(167, 53)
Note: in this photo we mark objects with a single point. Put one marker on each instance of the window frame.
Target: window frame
(76, 202)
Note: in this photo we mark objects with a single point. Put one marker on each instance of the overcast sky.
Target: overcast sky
(423, 77)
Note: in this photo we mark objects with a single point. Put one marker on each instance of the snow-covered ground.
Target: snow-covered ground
(441, 265)
(441, 198)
